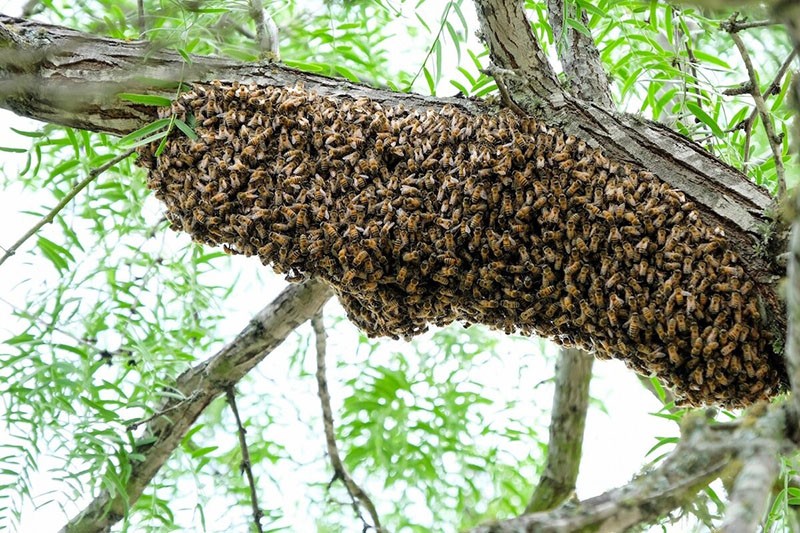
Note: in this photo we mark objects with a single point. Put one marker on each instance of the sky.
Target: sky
(616, 441)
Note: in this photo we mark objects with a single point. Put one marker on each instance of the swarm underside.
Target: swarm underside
(419, 217)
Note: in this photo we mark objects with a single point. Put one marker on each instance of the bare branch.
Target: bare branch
(203, 382)
(140, 18)
(266, 31)
(586, 77)
(793, 307)
(513, 47)
(356, 493)
(751, 492)
(702, 455)
(567, 422)
(50, 216)
(774, 88)
(774, 140)
(246, 465)
(734, 25)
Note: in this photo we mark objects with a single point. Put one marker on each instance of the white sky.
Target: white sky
(615, 443)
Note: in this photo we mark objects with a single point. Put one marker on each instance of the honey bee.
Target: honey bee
(613, 280)
(713, 306)
(674, 357)
(633, 326)
(545, 292)
(348, 277)
(612, 317)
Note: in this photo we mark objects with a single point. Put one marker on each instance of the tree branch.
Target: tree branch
(753, 487)
(356, 493)
(51, 215)
(702, 455)
(773, 139)
(201, 384)
(512, 47)
(567, 422)
(246, 466)
(586, 77)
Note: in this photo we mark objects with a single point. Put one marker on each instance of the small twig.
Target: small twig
(245, 466)
(773, 139)
(339, 472)
(772, 89)
(135, 425)
(49, 217)
(140, 18)
(732, 25)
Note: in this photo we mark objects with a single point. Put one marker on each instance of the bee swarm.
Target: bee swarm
(419, 217)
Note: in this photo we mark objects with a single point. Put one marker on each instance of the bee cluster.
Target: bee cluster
(430, 216)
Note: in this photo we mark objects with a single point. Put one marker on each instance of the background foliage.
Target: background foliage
(115, 305)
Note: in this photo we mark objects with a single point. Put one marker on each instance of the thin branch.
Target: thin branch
(31, 8)
(773, 88)
(246, 465)
(49, 217)
(567, 422)
(339, 471)
(172, 407)
(140, 18)
(204, 382)
(266, 31)
(586, 75)
(733, 25)
(774, 140)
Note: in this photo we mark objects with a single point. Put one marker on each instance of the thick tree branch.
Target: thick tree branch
(198, 387)
(586, 77)
(702, 455)
(568, 419)
(753, 486)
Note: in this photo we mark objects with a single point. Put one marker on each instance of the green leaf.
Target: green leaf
(578, 26)
(429, 79)
(705, 118)
(145, 99)
(184, 127)
(145, 130)
(58, 255)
